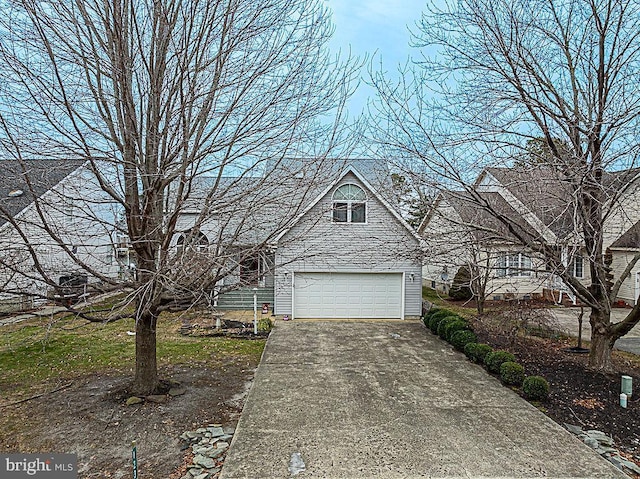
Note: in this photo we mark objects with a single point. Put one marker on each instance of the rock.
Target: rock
(201, 430)
(630, 465)
(222, 445)
(591, 442)
(573, 429)
(215, 453)
(157, 398)
(216, 431)
(195, 470)
(615, 460)
(601, 437)
(204, 461)
(173, 392)
(226, 437)
(134, 400)
(607, 450)
(204, 475)
(202, 449)
(230, 430)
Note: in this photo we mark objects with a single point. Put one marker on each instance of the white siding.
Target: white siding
(381, 245)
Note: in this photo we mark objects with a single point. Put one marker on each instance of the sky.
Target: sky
(377, 28)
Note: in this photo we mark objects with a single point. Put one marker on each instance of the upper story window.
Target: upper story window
(193, 241)
(349, 204)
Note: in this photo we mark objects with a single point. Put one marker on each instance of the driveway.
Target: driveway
(389, 400)
(567, 322)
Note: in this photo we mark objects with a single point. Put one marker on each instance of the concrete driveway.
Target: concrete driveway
(389, 400)
(566, 320)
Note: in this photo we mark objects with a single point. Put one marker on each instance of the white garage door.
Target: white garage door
(348, 295)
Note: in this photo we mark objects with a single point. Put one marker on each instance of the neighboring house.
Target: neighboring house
(622, 251)
(461, 232)
(332, 244)
(49, 210)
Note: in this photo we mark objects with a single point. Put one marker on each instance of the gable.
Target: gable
(31, 177)
(323, 205)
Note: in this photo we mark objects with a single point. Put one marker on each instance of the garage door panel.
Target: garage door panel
(348, 295)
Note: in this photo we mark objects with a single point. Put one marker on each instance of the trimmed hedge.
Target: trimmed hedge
(494, 360)
(476, 352)
(444, 324)
(434, 321)
(535, 388)
(435, 318)
(453, 327)
(511, 373)
(460, 338)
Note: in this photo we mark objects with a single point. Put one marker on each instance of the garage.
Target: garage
(348, 295)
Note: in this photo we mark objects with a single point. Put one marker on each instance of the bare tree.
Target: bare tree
(496, 75)
(155, 95)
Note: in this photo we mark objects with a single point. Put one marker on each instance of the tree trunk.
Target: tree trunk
(146, 377)
(602, 341)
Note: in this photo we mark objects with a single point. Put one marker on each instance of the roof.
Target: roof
(287, 188)
(23, 181)
(630, 239)
(543, 192)
(480, 212)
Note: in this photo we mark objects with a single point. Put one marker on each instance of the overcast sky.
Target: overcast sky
(374, 27)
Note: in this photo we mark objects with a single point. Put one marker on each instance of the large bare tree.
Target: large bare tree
(495, 75)
(154, 95)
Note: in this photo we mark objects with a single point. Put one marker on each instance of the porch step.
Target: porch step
(243, 298)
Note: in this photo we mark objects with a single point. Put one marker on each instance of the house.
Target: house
(463, 228)
(52, 218)
(316, 239)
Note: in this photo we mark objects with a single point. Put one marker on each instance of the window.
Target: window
(577, 266)
(513, 264)
(253, 269)
(192, 241)
(349, 204)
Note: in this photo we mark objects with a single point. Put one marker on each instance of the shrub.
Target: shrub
(435, 318)
(460, 338)
(511, 374)
(460, 288)
(265, 325)
(535, 388)
(454, 326)
(481, 352)
(476, 352)
(494, 360)
(442, 325)
(470, 351)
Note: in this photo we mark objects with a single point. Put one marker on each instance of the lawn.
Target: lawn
(49, 351)
(62, 382)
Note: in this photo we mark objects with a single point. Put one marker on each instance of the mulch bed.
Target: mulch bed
(578, 395)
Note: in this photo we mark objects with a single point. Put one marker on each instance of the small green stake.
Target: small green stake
(134, 457)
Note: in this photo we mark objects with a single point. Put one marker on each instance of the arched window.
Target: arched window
(192, 241)
(349, 204)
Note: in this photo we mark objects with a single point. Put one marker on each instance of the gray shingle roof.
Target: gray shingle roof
(542, 191)
(630, 238)
(480, 213)
(33, 178)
